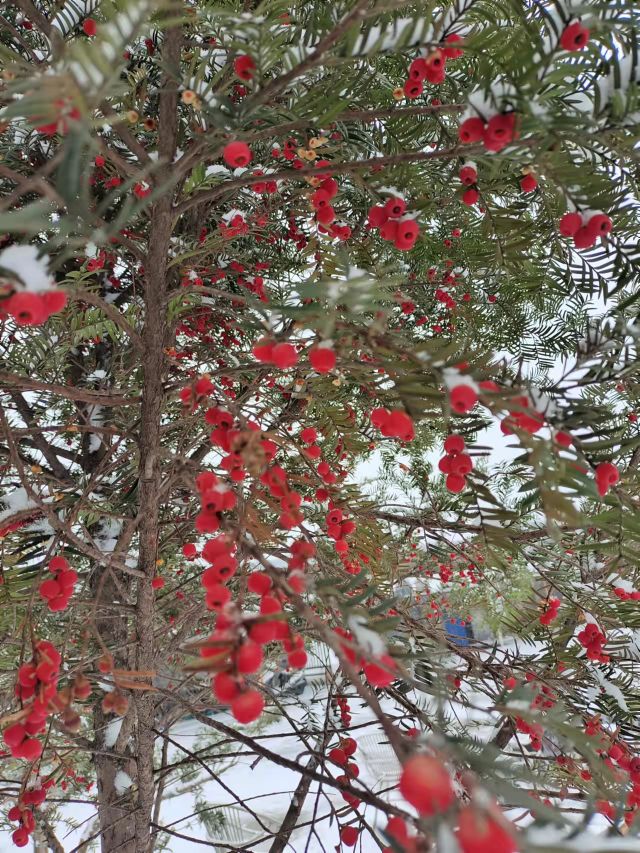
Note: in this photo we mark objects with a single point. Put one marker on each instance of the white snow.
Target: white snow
(26, 264)
(122, 781)
(15, 502)
(111, 732)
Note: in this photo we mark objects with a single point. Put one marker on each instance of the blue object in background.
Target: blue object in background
(458, 631)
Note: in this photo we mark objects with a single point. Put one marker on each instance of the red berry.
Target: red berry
(574, 37)
(468, 175)
(413, 88)
(454, 444)
(379, 417)
(564, 439)
(382, 674)
(244, 66)
(426, 784)
(394, 207)
(479, 833)
(225, 687)
(249, 658)
(237, 154)
(600, 224)
(14, 735)
(259, 583)
(528, 183)
(26, 308)
(284, 356)
(298, 658)
(349, 836)
(322, 359)
(20, 837)
(248, 706)
(418, 69)
(338, 756)
(462, 398)
(470, 196)
(455, 483)
(400, 425)
(309, 435)
(500, 131)
(585, 237)
(90, 27)
(471, 130)
(570, 223)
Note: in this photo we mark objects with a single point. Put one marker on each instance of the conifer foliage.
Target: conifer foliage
(318, 335)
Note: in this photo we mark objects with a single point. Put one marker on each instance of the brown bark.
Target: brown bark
(154, 339)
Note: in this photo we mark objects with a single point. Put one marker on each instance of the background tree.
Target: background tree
(262, 266)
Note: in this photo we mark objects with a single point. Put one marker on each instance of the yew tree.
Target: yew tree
(318, 388)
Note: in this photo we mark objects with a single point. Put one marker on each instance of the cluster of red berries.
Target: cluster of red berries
(426, 784)
(623, 595)
(321, 201)
(275, 479)
(266, 187)
(550, 612)
(393, 424)
(340, 704)
(380, 672)
(585, 228)
(235, 650)
(197, 393)
(340, 755)
(593, 639)
(58, 590)
(521, 416)
(236, 226)
(338, 528)
(607, 475)
(309, 436)
(394, 224)
(468, 175)
(280, 355)
(215, 498)
(32, 309)
(432, 67)
(36, 685)
(456, 464)
(233, 441)
(235, 646)
(22, 812)
(301, 552)
(495, 134)
(534, 730)
(219, 553)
